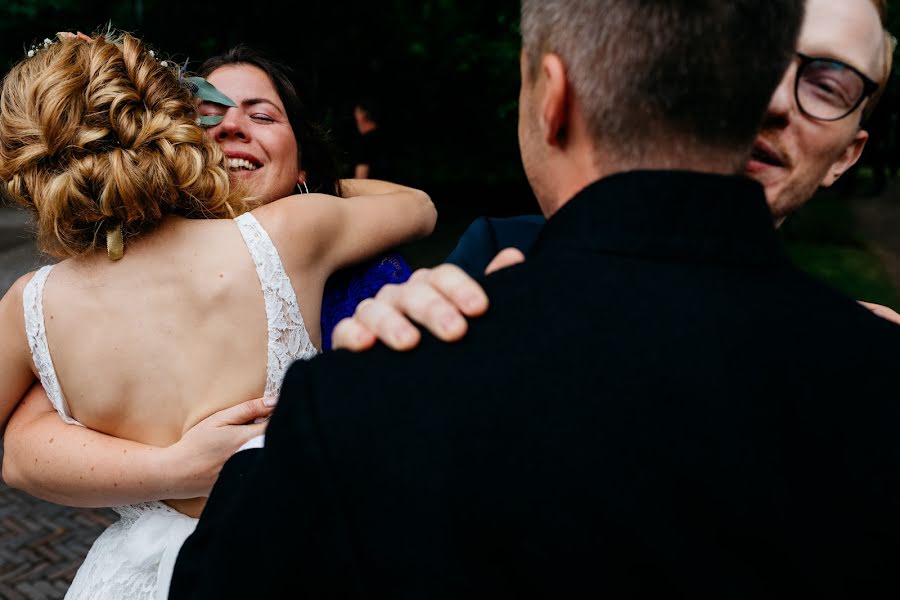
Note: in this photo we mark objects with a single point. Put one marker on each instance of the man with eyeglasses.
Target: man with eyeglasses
(811, 134)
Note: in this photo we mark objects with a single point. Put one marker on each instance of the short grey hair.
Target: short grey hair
(654, 75)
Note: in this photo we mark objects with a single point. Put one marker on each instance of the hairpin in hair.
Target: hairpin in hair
(35, 48)
(198, 86)
(115, 242)
(60, 35)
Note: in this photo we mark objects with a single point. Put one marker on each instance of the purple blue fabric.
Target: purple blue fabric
(348, 287)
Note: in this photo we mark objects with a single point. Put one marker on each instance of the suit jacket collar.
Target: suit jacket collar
(674, 214)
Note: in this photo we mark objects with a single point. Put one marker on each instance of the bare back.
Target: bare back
(146, 347)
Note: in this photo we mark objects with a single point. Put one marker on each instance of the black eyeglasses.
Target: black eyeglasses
(829, 90)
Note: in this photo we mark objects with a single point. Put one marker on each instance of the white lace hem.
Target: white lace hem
(134, 557)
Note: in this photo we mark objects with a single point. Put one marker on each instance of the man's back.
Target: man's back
(657, 403)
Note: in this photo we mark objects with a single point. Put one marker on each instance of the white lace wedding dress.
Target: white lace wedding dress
(134, 558)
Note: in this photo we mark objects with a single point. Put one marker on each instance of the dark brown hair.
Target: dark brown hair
(315, 150)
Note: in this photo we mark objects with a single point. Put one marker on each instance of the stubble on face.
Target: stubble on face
(794, 154)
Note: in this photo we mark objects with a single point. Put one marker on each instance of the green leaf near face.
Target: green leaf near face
(208, 92)
(210, 120)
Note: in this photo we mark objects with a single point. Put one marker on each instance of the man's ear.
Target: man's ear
(555, 101)
(847, 158)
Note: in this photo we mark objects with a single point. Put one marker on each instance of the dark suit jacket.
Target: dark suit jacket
(487, 236)
(657, 405)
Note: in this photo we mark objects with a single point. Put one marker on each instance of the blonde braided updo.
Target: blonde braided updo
(97, 134)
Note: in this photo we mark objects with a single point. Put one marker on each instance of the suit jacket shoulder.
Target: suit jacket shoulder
(486, 236)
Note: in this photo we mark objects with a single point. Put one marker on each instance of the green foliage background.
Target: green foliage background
(446, 75)
(446, 71)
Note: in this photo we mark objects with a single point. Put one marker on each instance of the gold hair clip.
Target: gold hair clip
(115, 243)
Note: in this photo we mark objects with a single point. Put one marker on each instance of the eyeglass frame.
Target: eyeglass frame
(869, 86)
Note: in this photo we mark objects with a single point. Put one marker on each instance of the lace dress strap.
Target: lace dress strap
(36, 331)
(288, 338)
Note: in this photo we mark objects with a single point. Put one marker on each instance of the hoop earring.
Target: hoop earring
(302, 190)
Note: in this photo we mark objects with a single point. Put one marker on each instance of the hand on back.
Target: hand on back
(206, 446)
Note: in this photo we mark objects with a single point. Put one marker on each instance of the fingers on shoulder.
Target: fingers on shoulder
(351, 334)
(505, 258)
(458, 287)
(463, 290)
(385, 318)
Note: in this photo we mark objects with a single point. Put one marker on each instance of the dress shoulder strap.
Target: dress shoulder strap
(36, 331)
(288, 338)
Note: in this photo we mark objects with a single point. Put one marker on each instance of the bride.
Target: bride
(165, 308)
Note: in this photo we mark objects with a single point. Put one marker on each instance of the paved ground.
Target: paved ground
(41, 544)
(17, 252)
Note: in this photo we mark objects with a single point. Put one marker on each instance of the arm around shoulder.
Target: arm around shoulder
(372, 217)
(410, 212)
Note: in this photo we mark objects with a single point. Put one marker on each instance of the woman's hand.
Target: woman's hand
(76, 466)
(198, 457)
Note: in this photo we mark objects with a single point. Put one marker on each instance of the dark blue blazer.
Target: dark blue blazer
(487, 236)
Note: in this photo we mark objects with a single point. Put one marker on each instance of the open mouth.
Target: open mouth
(765, 154)
(242, 164)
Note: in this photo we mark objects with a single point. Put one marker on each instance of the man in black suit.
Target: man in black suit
(657, 405)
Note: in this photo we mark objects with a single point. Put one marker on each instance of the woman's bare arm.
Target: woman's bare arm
(76, 466)
(16, 375)
(373, 216)
(376, 215)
